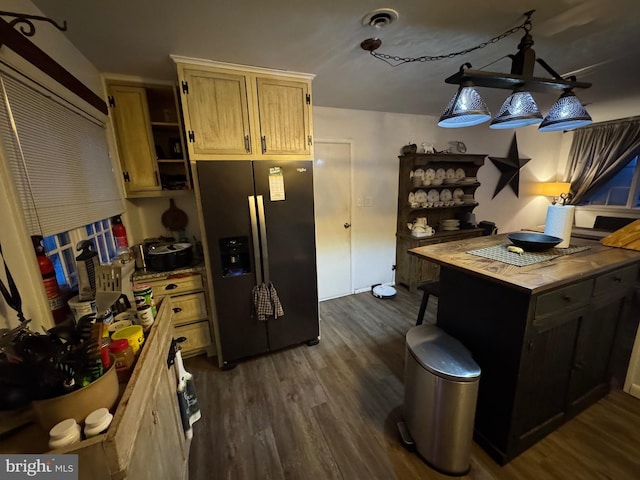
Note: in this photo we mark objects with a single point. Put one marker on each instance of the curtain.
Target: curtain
(59, 159)
(598, 153)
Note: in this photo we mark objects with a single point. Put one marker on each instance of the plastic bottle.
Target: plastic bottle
(123, 357)
(97, 422)
(119, 232)
(64, 433)
(59, 308)
(87, 263)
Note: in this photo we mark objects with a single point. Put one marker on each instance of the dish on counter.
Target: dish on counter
(445, 195)
(429, 174)
(533, 242)
(458, 193)
(418, 172)
(460, 174)
(441, 174)
(412, 198)
(450, 173)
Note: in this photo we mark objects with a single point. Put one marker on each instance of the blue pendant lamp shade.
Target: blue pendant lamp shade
(519, 110)
(566, 114)
(465, 109)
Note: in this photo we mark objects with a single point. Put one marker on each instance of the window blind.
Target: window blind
(59, 159)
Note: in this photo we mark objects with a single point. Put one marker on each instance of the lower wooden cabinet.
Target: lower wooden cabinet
(146, 439)
(190, 315)
(544, 357)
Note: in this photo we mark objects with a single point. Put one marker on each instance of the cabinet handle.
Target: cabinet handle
(530, 344)
(567, 298)
(263, 139)
(578, 365)
(177, 310)
(171, 286)
(617, 279)
(246, 144)
(155, 417)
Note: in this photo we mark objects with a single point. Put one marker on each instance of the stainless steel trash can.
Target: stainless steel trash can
(441, 388)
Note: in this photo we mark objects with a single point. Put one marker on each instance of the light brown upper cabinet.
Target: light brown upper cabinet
(150, 139)
(233, 112)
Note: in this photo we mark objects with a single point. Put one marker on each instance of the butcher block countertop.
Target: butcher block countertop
(534, 278)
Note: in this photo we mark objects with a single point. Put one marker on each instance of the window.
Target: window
(61, 249)
(620, 191)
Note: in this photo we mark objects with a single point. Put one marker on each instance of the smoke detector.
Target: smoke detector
(380, 18)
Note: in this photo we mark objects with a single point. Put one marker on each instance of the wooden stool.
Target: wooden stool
(428, 288)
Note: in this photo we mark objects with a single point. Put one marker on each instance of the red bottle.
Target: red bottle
(119, 232)
(58, 307)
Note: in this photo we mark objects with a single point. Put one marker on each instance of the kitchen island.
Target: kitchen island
(542, 334)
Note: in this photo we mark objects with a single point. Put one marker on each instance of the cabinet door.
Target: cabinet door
(545, 370)
(284, 116)
(160, 446)
(135, 143)
(593, 350)
(218, 114)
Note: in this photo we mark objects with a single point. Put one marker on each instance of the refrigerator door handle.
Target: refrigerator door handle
(256, 238)
(263, 237)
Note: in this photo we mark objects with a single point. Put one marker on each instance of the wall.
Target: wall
(377, 138)
(144, 217)
(16, 244)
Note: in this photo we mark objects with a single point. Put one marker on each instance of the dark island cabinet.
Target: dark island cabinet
(544, 356)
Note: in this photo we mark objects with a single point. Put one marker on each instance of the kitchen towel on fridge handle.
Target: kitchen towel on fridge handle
(266, 301)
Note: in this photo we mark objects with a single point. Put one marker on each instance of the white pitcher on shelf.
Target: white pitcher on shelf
(420, 228)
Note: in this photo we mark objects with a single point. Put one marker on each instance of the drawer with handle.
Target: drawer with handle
(617, 282)
(188, 308)
(197, 337)
(176, 285)
(563, 299)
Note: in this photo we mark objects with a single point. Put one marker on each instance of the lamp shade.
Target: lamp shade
(566, 114)
(519, 110)
(552, 189)
(465, 109)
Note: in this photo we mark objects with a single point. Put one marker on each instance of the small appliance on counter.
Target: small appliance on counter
(163, 257)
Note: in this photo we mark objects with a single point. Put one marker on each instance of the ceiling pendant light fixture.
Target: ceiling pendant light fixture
(566, 114)
(467, 108)
(518, 110)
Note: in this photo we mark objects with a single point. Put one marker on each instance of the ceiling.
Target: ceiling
(596, 39)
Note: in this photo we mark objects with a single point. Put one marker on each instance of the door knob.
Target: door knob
(347, 225)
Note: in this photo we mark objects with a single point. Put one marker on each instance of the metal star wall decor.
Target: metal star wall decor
(509, 168)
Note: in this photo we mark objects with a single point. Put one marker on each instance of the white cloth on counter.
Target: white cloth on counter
(559, 223)
(266, 302)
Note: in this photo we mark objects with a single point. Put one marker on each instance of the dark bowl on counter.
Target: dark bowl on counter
(161, 258)
(533, 242)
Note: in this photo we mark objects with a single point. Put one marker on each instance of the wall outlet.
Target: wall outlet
(368, 201)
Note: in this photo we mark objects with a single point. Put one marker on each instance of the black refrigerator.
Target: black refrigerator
(260, 228)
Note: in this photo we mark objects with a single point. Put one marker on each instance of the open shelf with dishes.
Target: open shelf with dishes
(435, 205)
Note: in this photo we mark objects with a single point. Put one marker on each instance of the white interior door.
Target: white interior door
(332, 184)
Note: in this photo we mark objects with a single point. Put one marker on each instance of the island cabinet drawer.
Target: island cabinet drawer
(616, 282)
(176, 285)
(197, 337)
(564, 299)
(188, 308)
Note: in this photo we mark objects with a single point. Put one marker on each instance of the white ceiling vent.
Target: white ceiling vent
(380, 18)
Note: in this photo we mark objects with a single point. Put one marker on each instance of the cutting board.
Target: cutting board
(174, 219)
(626, 237)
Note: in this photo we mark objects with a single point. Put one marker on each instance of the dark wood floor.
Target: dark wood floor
(330, 412)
